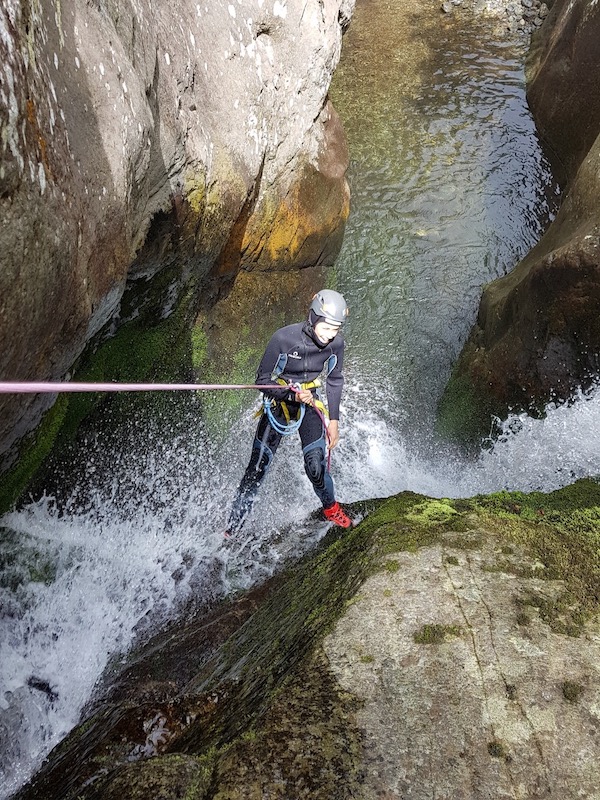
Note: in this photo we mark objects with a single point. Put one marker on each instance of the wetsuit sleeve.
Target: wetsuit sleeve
(265, 370)
(335, 381)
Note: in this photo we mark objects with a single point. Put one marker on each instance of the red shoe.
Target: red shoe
(338, 516)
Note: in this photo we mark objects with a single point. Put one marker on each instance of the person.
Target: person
(300, 357)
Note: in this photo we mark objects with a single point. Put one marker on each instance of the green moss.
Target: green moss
(561, 531)
(236, 364)
(431, 512)
(170, 777)
(432, 633)
(145, 349)
(392, 566)
(196, 193)
(463, 414)
(562, 613)
(404, 523)
(497, 750)
(34, 449)
(137, 353)
(199, 342)
(521, 570)
(572, 691)
(472, 541)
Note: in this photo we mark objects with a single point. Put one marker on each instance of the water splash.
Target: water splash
(81, 583)
(528, 455)
(139, 541)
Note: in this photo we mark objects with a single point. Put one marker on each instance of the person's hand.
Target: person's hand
(334, 433)
(306, 396)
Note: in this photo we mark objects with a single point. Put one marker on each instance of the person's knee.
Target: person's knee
(314, 464)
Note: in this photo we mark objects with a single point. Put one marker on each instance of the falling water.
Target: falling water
(449, 189)
(79, 585)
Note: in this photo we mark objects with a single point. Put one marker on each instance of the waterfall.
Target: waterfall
(80, 583)
(449, 190)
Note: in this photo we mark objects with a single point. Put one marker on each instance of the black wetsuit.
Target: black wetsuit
(295, 354)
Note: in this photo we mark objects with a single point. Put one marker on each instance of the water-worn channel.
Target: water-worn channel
(449, 190)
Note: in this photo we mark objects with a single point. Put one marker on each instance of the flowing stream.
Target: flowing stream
(449, 190)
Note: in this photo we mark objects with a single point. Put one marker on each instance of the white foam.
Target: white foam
(139, 550)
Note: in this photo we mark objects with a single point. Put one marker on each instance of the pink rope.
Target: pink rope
(52, 388)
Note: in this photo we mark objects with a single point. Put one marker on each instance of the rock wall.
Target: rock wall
(537, 335)
(562, 77)
(442, 648)
(186, 140)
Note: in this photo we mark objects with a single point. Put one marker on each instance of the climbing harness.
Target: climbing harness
(292, 425)
(269, 404)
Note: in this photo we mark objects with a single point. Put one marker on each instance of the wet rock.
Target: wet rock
(168, 778)
(562, 90)
(441, 647)
(149, 146)
(514, 16)
(460, 691)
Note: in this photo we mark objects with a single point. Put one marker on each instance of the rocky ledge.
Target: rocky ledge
(446, 648)
(513, 16)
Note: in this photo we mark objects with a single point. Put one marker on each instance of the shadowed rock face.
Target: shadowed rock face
(537, 336)
(139, 137)
(563, 68)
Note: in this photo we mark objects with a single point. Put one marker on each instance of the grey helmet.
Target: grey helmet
(331, 306)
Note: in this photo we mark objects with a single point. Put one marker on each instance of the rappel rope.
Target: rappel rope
(50, 387)
(53, 387)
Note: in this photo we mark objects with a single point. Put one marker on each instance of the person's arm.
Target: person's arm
(335, 381)
(333, 433)
(335, 384)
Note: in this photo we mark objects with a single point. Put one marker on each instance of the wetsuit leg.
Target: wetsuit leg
(314, 449)
(264, 447)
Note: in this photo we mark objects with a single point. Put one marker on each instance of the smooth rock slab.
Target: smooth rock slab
(501, 706)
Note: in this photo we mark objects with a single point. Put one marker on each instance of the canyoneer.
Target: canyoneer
(306, 359)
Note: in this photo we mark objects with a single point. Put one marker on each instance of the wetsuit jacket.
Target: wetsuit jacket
(305, 360)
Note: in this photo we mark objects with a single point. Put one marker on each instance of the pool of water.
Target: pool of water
(449, 189)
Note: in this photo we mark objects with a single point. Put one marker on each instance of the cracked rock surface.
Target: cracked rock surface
(465, 691)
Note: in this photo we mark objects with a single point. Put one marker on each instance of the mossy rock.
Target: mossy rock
(434, 633)
(252, 684)
(146, 349)
(168, 777)
(464, 415)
